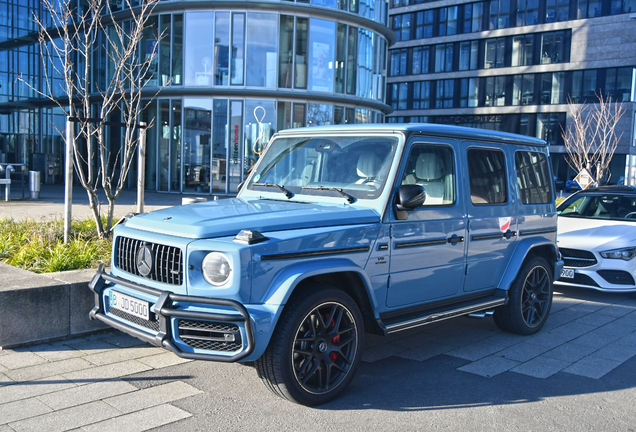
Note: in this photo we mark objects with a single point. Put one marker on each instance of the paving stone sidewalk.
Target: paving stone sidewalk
(588, 333)
(89, 383)
(80, 384)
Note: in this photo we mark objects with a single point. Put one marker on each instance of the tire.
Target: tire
(311, 359)
(529, 299)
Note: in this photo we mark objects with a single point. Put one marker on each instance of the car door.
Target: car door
(492, 225)
(427, 249)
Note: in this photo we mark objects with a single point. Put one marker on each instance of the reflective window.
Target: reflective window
(218, 166)
(197, 135)
(199, 49)
(469, 95)
(522, 50)
(177, 51)
(527, 12)
(495, 49)
(322, 38)
(319, 114)
(444, 57)
(262, 49)
(557, 10)
(398, 62)
(238, 49)
(300, 72)
(421, 58)
(499, 14)
(553, 47)
(163, 132)
(448, 21)
(533, 177)
(352, 55)
(341, 57)
(445, 93)
(424, 24)
(222, 48)
(260, 125)
(286, 46)
(468, 55)
(487, 176)
(421, 95)
(365, 63)
(432, 168)
(549, 127)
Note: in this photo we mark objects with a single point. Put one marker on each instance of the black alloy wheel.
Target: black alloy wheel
(536, 296)
(529, 299)
(324, 347)
(316, 348)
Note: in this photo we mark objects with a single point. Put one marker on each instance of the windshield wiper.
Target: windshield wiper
(349, 198)
(287, 193)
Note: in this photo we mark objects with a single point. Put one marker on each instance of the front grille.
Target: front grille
(153, 324)
(577, 257)
(210, 335)
(167, 262)
(617, 277)
(579, 279)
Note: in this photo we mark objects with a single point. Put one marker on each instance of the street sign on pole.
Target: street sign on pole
(584, 179)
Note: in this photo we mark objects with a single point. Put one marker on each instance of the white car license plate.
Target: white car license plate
(567, 273)
(131, 305)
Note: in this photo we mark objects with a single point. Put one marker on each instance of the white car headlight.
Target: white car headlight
(216, 268)
(624, 254)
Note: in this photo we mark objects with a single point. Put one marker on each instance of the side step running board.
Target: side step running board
(429, 317)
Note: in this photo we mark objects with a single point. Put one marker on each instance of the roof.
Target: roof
(424, 129)
(612, 188)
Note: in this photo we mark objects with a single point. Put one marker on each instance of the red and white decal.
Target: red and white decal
(504, 223)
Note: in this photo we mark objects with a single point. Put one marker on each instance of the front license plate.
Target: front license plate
(567, 274)
(131, 305)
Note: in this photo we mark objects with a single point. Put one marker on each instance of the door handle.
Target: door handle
(509, 234)
(455, 239)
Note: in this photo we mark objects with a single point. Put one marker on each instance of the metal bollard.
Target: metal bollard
(7, 183)
(34, 184)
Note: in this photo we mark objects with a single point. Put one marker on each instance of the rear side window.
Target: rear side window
(533, 177)
(487, 175)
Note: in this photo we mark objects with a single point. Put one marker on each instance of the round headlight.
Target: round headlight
(216, 268)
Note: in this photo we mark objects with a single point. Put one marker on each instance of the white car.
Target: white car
(597, 238)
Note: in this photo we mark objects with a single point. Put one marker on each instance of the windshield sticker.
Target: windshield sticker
(257, 177)
(504, 223)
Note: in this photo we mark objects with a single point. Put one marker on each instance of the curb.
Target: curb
(43, 307)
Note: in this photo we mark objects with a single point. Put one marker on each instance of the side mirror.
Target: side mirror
(410, 197)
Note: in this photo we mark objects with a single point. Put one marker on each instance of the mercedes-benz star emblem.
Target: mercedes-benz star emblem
(144, 260)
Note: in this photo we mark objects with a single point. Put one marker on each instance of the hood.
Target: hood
(229, 216)
(595, 234)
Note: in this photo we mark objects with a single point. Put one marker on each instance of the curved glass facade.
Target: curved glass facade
(235, 75)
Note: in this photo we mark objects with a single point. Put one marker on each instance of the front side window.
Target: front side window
(487, 176)
(432, 168)
(533, 177)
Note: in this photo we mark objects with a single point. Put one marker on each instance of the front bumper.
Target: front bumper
(165, 308)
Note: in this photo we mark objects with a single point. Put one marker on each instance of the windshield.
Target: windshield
(358, 166)
(612, 206)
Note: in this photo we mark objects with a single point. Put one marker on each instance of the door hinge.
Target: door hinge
(388, 282)
(466, 272)
(468, 225)
(391, 231)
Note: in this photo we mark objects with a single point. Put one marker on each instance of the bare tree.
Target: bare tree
(69, 39)
(591, 138)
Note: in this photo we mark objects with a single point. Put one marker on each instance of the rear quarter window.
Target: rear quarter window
(533, 177)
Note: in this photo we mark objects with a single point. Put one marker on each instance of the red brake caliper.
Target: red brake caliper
(336, 339)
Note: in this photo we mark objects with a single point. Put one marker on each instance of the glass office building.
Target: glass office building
(512, 65)
(234, 74)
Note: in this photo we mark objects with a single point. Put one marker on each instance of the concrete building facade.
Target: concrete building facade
(512, 65)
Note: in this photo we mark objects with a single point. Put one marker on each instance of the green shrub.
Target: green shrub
(39, 245)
